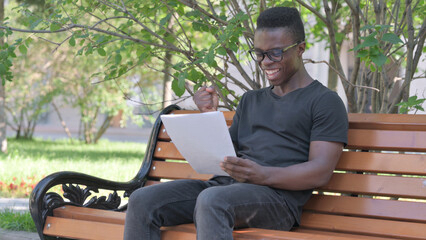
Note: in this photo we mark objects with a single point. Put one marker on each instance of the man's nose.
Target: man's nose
(266, 60)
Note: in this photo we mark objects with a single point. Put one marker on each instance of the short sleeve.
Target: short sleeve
(233, 130)
(330, 119)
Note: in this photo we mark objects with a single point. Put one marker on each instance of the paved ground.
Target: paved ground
(15, 204)
(14, 235)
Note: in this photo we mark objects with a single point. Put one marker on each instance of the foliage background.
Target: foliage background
(193, 43)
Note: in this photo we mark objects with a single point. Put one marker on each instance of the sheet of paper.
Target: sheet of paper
(203, 139)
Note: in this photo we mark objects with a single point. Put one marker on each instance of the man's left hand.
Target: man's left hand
(244, 170)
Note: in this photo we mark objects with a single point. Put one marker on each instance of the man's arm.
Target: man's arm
(323, 157)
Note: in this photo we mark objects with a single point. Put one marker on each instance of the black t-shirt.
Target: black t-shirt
(277, 131)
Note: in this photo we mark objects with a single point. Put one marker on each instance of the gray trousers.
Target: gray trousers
(216, 206)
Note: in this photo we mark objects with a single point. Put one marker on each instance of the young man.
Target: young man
(288, 139)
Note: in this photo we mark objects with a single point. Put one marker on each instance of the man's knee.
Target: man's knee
(211, 199)
(141, 201)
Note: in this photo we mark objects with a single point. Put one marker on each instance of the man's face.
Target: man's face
(278, 73)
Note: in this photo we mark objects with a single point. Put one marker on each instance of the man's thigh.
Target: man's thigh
(252, 205)
(168, 203)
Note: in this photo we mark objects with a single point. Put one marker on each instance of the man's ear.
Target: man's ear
(301, 48)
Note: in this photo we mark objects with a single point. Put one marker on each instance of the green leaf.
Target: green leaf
(362, 53)
(420, 101)
(209, 59)
(196, 26)
(165, 20)
(175, 87)
(418, 107)
(381, 27)
(181, 79)
(392, 38)
(214, 30)
(379, 59)
(101, 52)
(370, 41)
(89, 49)
(221, 51)
(178, 66)
(72, 41)
(194, 14)
(34, 23)
(3, 54)
(340, 37)
(412, 99)
(233, 46)
(2, 69)
(11, 51)
(54, 27)
(118, 58)
(23, 49)
(28, 41)
(194, 75)
(403, 110)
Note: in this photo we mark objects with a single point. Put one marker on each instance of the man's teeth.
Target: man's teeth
(269, 72)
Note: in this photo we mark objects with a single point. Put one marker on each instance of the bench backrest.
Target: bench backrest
(378, 188)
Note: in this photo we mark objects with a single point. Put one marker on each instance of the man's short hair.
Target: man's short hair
(282, 17)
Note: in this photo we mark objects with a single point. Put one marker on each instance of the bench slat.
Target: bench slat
(90, 214)
(407, 164)
(386, 140)
(375, 227)
(345, 183)
(374, 140)
(322, 232)
(175, 170)
(368, 207)
(79, 229)
(415, 211)
(413, 164)
(377, 185)
(167, 150)
(405, 122)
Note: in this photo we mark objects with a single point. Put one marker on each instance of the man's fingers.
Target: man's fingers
(210, 89)
(234, 168)
(237, 161)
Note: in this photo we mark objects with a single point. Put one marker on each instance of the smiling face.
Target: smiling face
(282, 75)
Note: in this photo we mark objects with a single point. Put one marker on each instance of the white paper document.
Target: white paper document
(202, 138)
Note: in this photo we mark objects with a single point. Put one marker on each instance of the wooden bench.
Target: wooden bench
(378, 190)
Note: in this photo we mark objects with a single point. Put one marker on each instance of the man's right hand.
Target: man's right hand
(206, 99)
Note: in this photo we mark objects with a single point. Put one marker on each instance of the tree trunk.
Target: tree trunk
(167, 90)
(167, 95)
(3, 139)
(332, 75)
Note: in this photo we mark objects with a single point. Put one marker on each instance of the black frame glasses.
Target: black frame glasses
(275, 55)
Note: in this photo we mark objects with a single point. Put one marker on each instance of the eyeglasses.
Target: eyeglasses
(275, 55)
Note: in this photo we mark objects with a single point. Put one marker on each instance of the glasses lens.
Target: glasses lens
(275, 55)
(256, 55)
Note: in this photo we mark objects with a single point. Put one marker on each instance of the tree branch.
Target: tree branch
(194, 5)
(71, 26)
(311, 9)
(335, 70)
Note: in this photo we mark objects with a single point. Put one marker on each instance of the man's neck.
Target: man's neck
(299, 80)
